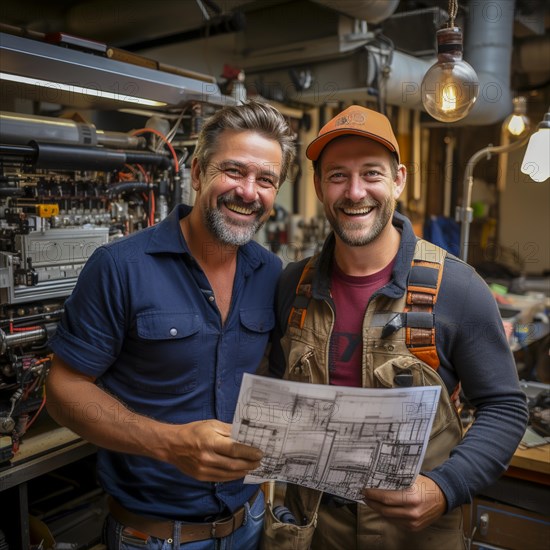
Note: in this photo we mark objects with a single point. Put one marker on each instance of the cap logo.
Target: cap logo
(351, 119)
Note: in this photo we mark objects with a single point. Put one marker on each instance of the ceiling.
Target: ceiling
(144, 26)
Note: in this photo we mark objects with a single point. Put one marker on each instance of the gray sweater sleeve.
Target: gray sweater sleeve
(473, 349)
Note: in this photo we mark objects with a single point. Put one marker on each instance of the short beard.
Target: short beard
(232, 232)
(350, 231)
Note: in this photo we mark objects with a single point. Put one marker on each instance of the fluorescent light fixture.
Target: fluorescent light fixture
(95, 80)
(536, 161)
(74, 88)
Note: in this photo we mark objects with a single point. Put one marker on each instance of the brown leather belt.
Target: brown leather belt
(189, 532)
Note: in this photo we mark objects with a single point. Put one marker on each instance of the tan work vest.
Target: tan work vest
(398, 345)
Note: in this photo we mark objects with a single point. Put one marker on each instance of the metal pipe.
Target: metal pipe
(24, 338)
(464, 213)
(79, 157)
(17, 128)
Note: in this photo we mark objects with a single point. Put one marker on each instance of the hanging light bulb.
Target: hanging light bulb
(513, 129)
(517, 123)
(450, 87)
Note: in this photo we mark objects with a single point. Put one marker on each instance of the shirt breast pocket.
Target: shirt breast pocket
(254, 329)
(167, 351)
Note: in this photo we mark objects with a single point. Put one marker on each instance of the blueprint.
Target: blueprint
(333, 438)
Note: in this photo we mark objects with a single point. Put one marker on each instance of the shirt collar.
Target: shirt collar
(405, 255)
(168, 238)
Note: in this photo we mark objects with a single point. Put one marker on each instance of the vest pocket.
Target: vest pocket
(403, 371)
(278, 535)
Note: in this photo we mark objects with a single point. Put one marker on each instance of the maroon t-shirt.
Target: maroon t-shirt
(351, 296)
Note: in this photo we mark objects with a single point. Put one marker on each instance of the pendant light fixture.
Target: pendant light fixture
(450, 87)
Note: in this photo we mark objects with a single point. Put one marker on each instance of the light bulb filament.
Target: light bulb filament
(449, 97)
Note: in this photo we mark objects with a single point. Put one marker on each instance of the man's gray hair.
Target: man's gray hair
(254, 116)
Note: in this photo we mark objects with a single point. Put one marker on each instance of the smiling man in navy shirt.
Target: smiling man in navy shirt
(155, 339)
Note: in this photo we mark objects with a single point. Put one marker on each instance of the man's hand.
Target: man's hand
(414, 508)
(204, 450)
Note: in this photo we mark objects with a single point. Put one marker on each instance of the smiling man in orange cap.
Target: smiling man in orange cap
(378, 307)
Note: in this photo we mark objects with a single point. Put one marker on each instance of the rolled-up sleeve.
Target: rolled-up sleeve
(93, 326)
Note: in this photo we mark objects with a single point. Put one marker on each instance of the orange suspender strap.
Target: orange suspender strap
(422, 290)
(297, 316)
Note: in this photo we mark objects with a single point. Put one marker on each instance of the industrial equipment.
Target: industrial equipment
(67, 188)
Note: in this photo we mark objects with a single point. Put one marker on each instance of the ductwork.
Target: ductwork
(488, 49)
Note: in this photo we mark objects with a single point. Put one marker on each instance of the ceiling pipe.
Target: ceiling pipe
(372, 11)
(404, 78)
(488, 49)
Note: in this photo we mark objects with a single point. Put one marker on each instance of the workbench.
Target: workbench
(44, 449)
(514, 513)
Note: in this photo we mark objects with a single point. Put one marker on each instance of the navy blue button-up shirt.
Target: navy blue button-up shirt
(143, 320)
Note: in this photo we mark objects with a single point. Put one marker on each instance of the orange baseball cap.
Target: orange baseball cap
(356, 121)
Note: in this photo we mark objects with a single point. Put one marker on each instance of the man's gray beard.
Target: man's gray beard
(344, 230)
(232, 232)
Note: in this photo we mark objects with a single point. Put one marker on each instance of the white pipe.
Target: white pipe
(404, 78)
(464, 214)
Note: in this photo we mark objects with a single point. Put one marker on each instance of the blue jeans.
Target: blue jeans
(247, 537)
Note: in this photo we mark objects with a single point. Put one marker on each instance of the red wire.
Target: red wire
(152, 208)
(30, 389)
(164, 138)
(23, 329)
(31, 421)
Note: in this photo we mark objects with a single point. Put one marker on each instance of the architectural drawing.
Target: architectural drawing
(334, 438)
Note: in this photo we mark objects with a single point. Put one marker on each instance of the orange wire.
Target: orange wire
(163, 137)
(152, 208)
